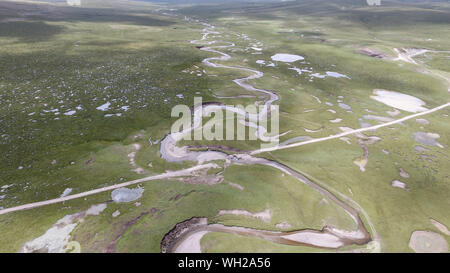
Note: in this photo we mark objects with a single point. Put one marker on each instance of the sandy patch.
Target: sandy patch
(330, 74)
(132, 157)
(263, 216)
(358, 234)
(345, 106)
(191, 244)
(237, 186)
(283, 225)
(312, 131)
(57, 238)
(70, 113)
(300, 71)
(407, 54)
(361, 163)
(53, 241)
(404, 174)
(336, 75)
(287, 58)
(442, 228)
(429, 139)
(5, 187)
(104, 107)
(428, 242)
(317, 99)
(116, 213)
(316, 239)
(96, 209)
(399, 100)
(398, 184)
(336, 120)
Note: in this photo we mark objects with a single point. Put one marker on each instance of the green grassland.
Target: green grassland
(78, 59)
(87, 64)
(134, 55)
(331, 44)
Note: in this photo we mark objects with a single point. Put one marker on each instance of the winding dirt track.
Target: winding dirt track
(180, 173)
(351, 132)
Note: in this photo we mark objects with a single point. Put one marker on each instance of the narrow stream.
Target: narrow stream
(328, 237)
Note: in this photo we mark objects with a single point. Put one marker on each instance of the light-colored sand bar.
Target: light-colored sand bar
(286, 58)
(399, 100)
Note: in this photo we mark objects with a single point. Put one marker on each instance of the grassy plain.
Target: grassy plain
(77, 59)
